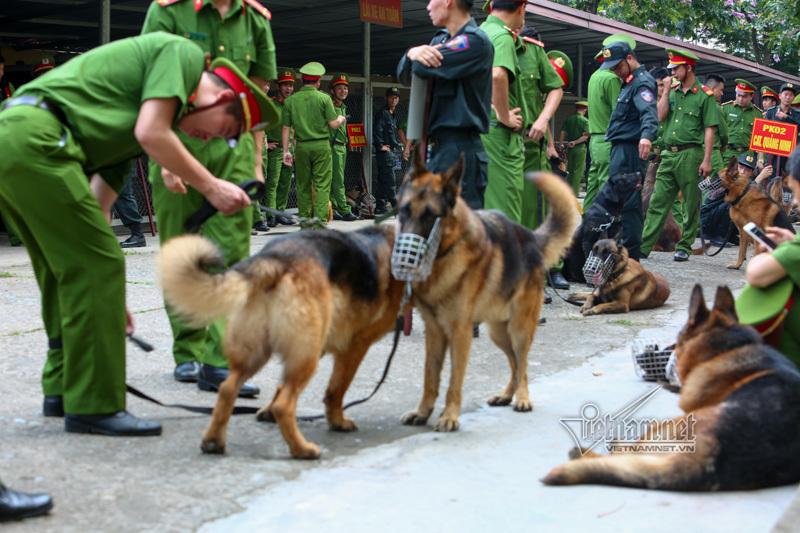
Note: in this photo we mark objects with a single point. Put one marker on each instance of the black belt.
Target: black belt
(36, 101)
(309, 140)
(501, 125)
(680, 147)
(739, 149)
(338, 143)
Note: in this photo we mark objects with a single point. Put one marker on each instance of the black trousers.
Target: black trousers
(625, 160)
(447, 146)
(385, 186)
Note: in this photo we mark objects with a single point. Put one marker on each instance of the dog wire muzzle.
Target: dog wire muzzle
(596, 271)
(653, 364)
(413, 255)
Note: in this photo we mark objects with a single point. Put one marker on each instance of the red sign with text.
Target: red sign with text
(773, 137)
(356, 136)
(385, 12)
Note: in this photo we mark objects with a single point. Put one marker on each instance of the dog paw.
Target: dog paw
(413, 418)
(446, 425)
(498, 400)
(558, 476)
(306, 451)
(345, 425)
(588, 311)
(212, 446)
(734, 266)
(265, 415)
(522, 406)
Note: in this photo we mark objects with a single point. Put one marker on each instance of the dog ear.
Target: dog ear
(451, 180)
(618, 238)
(724, 302)
(698, 311)
(733, 166)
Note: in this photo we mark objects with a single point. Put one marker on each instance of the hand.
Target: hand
(705, 169)
(386, 148)
(430, 56)
(759, 166)
(538, 130)
(342, 120)
(172, 182)
(514, 120)
(764, 174)
(571, 144)
(129, 326)
(407, 152)
(272, 145)
(287, 159)
(781, 114)
(645, 146)
(778, 234)
(227, 197)
(551, 151)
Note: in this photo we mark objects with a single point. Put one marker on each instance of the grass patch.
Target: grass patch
(148, 310)
(627, 323)
(141, 282)
(12, 275)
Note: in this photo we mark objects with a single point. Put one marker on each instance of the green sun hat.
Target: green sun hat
(258, 111)
(680, 57)
(744, 86)
(563, 65)
(619, 37)
(759, 306)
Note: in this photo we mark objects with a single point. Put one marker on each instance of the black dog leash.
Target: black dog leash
(207, 210)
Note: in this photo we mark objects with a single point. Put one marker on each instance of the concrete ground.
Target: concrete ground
(385, 476)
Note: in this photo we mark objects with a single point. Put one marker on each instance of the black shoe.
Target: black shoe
(284, 221)
(187, 372)
(337, 216)
(542, 320)
(557, 281)
(271, 222)
(476, 332)
(134, 241)
(121, 424)
(548, 299)
(719, 242)
(380, 209)
(17, 244)
(211, 377)
(349, 217)
(261, 226)
(53, 406)
(18, 505)
(681, 256)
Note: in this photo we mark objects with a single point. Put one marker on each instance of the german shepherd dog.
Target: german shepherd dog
(741, 401)
(750, 203)
(335, 288)
(605, 214)
(628, 287)
(778, 189)
(671, 233)
(488, 269)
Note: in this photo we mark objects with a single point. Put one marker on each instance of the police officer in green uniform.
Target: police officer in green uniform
(7, 91)
(240, 31)
(716, 83)
(783, 112)
(312, 115)
(279, 176)
(686, 159)
(458, 61)
(340, 87)
(503, 143)
(632, 128)
(739, 115)
(576, 127)
(69, 141)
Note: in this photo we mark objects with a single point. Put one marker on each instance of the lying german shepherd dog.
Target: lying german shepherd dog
(741, 400)
(627, 286)
(487, 269)
(301, 296)
(605, 214)
(750, 203)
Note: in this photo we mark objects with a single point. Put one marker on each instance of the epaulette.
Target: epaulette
(759, 109)
(534, 41)
(164, 3)
(708, 91)
(261, 9)
(728, 102)
(514, 35)
(675, 85)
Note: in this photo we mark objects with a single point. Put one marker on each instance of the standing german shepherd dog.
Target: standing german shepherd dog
(744, 400)
(302, 295)
(488, 269)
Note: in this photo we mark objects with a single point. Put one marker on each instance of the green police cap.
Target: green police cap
(756, 306)
(620, 37)
(747, 160)
(340, 79)
(312, 71)
(583, 103)
(258, 111)
(766, 92)
(285, 75)
(744, 87)
(796, 101)
(788, 87)
(487, 7)
(43, 64)
(680, 57)
(599, 56)
(614, 53)
(563, 65)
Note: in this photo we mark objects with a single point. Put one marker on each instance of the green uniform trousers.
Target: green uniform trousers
(78, 263)
(717, 161)
(598, 170)
(313, 172)
(278, 178)
(504, 188)
(678, 172)
(576, 165)
(535, 160)
(338, 198)
(230, 233)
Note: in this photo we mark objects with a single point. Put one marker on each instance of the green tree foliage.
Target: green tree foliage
(764, 31)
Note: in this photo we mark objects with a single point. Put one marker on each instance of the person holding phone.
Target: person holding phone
(770, 272)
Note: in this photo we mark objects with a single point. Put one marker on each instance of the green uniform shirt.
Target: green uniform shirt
(604, 87)
(574, 126)
(740, 123)
(308, 111)
(721, 131)
(275, 134)
(101, 95)
(690, 114)
(538, 78)
(505, 55)
(340, 135)
(244, 36)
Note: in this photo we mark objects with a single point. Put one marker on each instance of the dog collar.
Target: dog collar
(749, 183)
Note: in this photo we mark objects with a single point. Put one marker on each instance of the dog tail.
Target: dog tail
(196, 294)
(556, 232)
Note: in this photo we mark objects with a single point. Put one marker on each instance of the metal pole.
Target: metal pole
(366, 153)
(580, 71)
(105, 21)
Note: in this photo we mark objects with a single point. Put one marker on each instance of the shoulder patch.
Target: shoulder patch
(675, 86)
(261, 9)
(514, 35)
(759, 109)
(728, 102)
(164, 3)
(647, 96)
(708, 91)
(459, 42)
(533, 41)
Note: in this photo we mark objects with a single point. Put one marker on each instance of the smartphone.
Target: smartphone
(759, 235)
